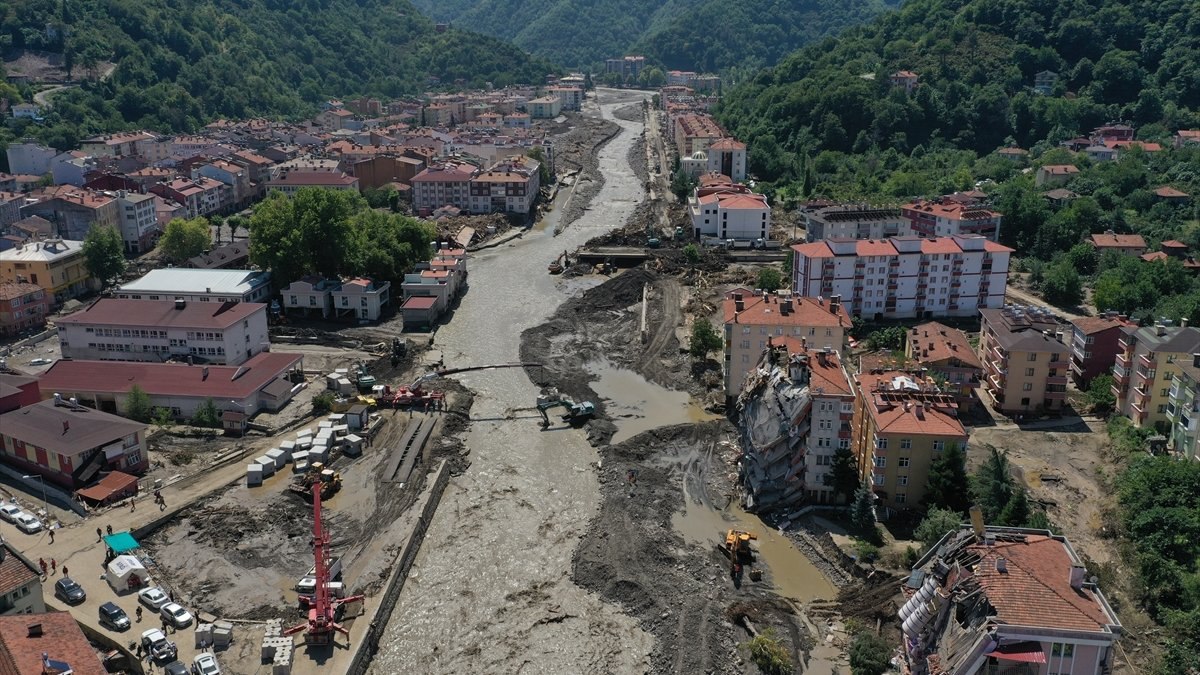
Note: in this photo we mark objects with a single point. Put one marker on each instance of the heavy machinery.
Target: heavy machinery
(577, 413)
(363, 378)
(306, 484)
(323, 613)
(560, 263)
(415, 393)
(737, 547)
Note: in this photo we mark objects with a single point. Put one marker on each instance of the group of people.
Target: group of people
(53, 567)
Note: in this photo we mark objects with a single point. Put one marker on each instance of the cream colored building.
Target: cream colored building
(57, 265)
(1025, 361)
(1148, 362)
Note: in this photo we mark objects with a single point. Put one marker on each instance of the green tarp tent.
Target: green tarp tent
(121, 542)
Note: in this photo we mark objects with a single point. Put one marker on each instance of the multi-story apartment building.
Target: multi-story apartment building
(544, 108)
(905, 277)
(989, 600)
(442, 184)
(1183, 410)
(727, 157)
(57, 265)
(571, 97)
(291, 182)
(626, 66)
(1025, 361)
(1148, 361)
(10, 208)
(752, 319)
(361, 299)
(199, 196)
(854, 221)
(74, 211)
(30, 158)
(199, 285)
(23, 306)
(947, 354)
(944, 217)
(114, 329)
(1095, 341)
(902, 422)
(796, 406)
(138, 221)
(695, 132)
(236, 176)
(731, 212)
(508, 187)
(114, 145)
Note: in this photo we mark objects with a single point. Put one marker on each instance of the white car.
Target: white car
(153, 597)
(27, 523)
(176, 615)
(159, 647)
(40, 362)
(9, 512)
(205, 664)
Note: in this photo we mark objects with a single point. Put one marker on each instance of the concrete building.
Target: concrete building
(199, 196)
(441, 185)
(1025, 360)
(902, 423)
(113, 329)
(796, 407)
(944, 218)
(626, 66)
(544, 108)
(1127, 244)
(236, 176)
(946, 353)
(695, 132)
(309, 296)
(361, 299)
(1183, 410)
(1095, 342)
(138, 221)
(571, 97)
(752, 319)
(904, 79)
(905, 277)
(74, 211)
(199, 285)
(57, 265)
(1148, 361)
(70, 444)
(1005, 600)
(728, 157)
(508, 187)
(115, 145)
(20, 583)
(1052, 175)
(260, 383)
(855, 221)
(17, 391)
(730, 214)
(23, 306)
(30, 158)
(293, 181)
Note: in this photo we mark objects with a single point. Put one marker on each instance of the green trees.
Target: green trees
(185, 238)
(869, 654)
(935, 525)
(844, 473)
(207, 415)
(992, 485)
(691, 253)
(766, 651)
(104, 253)
(704, 339)
(769, 279)
(1099, 395)
(137, 405)
(862, 510)
(1062, 285)
(891, 338)
(948, 485)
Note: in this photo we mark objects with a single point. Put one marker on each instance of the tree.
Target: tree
(844, 473)
(1016, 511)
(309, 232)
(935, 525)
(137, 405)
(948, 485)
(163, 418)
(862, 511)
(544, 174)
(691, 253)
(992, 484)
(769, 279)
(1061, 285)
(771, 657)
(207, 415)
(888, 338)
(322, 403)
(184, 239)
(704, 339)
(1099, 395)
(104, 254)
(386, 245)
(682, 185)
(869, 654)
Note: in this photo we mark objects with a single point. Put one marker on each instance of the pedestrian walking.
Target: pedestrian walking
(109, 529)
(53, 566)
(42, 564)
(99, 534)
(64, 570)
(162, 504)
(139, 614)
(51, 531)
(132, 505)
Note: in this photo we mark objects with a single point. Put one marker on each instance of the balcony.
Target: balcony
(1057, 379)
(1123, 361)
(1187, 424)
(1146, 360)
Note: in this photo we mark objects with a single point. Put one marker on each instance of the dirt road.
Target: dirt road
(491, 590)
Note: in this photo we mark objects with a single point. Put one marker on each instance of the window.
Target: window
(881, 443)
(902, 480)
(1062, 650)
(1028, 386)
(1029, 372)
(1162, 409)
(905, 443)
(745, 330)
(877, 480)
(843, 443)
(1033, 356)
(903, 462)
(901, 497)
(939, 445)
(881, 462)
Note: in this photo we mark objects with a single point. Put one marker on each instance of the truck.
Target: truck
(308, 583)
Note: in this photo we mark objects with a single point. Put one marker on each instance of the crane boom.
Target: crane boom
(454, 371)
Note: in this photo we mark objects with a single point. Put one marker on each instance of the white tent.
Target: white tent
(127, 573)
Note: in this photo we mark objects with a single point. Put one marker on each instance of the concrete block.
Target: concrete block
(254, 475)
(203, 634)
(267, 464)
(278, 668)
(279, 457)
(223, 625)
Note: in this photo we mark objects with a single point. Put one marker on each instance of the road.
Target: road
(491, 590)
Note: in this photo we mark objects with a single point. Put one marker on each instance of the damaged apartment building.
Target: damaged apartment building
(1005, 601)
(796, 407)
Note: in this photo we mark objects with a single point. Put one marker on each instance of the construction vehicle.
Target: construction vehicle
(344, 403)
(577, 413)
(560, 263)
(317, 476)
(324, 609)
(363, 378)
(737, 547)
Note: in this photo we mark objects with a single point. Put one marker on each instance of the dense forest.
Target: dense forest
(180, 63)
(702, 35)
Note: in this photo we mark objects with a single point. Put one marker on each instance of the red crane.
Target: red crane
(322, 621)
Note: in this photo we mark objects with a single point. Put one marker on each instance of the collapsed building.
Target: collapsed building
(796, 406)
(1005, 601)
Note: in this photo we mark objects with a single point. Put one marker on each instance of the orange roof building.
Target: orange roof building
(946, 352)
(1129, 244)
(46, 643)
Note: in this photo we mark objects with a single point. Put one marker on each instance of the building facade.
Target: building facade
(199, 285)
(1148, 361)
(138, 221)
(1025, 360)
(946, 352)
(944, 218)
(854, 221)
(361, 299)
(1095, 341)
(57, 265)
(904, 277)
(23, 306)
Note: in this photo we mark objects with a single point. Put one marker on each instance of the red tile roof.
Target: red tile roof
(904, 416)
(1060, 169)
(1035, 588)
(162, 313)
(419, 302)
(830, 377)
(167, 379)
(762, 310)
(936, 246)
(15, 570)
(1107, 240)
(61, 639)
(1090, 325)
(953, 210)
(935, 343)
(1169, 192)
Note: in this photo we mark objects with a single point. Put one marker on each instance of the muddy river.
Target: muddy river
(491, 589)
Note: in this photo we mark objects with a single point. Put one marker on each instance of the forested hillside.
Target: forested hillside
(704, 35)
(182, 62)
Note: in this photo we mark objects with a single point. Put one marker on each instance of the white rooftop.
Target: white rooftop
(43, 251)
(183, 280)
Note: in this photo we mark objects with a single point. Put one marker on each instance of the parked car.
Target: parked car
(27, 523)
(175, 668)
(9, 512)
(153, 597)
(68, 591)
(176, 615)
(40, 361)
(113, 617)
(205, 664)
(161, 649)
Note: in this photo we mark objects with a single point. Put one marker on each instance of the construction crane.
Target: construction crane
(322, 615)
(415, 393)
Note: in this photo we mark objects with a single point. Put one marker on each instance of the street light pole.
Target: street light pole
(45, 502)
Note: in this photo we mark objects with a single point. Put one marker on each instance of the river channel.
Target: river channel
(491, 590)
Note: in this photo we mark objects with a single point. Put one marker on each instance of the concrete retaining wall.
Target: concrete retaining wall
(368, 645)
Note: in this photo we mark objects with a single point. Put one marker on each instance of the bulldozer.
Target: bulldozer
(737, 547)
(331, 482)
(577, 413)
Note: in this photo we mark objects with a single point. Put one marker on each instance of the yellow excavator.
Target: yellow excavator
(331, 482)
(737, 547)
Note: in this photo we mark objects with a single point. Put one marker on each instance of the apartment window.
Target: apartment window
(1033, 356)
(903, 462)
(1029, 372)
(902, 480)
(881, 443)
(1164, 392)
(939, 445)
(905, 443)
(1028, 386)
(1162, 409)
(901, 497)
(745, 330)
(877, 480)
(881, 462)
(1025, 401)
(745, 344)
(1167, 376)
(843, 443)
(745, 358)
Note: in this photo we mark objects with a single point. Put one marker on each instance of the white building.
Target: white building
(855, 221)
(731, 215)
(138, 220)
(361, 299)
(727, 157)
(193, 285)
(905, 277)
(508, 187)
(114, 329)
(30, 158)
(309, 296)
(945, 217)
